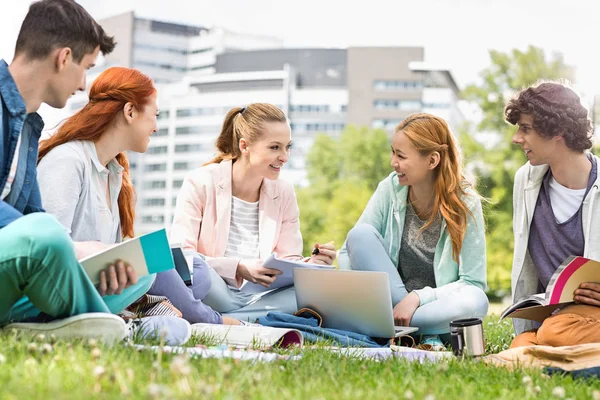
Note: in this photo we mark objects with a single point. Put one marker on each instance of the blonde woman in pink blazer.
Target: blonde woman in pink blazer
(235, 211)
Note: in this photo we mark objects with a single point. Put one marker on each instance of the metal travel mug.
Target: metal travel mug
(466, 337)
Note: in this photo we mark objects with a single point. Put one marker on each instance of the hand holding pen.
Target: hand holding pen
(323, 254)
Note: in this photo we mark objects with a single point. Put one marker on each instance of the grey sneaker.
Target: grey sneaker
(107, 328)
(177, 331)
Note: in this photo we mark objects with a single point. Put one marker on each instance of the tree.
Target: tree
(343, 173)
(496, 167)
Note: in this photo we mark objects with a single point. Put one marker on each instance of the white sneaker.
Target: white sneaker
(107, 328)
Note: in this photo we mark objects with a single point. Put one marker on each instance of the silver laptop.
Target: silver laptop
(357, 301)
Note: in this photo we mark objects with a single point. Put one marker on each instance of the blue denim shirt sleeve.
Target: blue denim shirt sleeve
(8, 214)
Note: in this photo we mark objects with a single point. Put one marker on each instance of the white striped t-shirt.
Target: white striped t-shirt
(243, 230)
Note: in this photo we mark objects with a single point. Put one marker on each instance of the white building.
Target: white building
(201, 73)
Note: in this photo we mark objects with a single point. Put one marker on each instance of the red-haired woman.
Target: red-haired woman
(84, 181)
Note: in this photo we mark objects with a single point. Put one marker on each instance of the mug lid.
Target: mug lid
(466, 322)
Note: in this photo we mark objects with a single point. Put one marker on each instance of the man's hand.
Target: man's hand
(116, 277)
(588, 293)
(254, 271)
(404, 310)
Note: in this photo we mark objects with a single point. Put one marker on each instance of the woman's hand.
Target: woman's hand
(254, 271)
(230, 321)
(116, 277)
(404, 310)
(323, 254)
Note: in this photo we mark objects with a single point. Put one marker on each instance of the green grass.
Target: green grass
(35, 368)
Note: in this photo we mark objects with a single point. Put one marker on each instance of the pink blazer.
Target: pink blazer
(203, 215)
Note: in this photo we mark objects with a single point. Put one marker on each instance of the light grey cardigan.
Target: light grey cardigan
(73, 188)
(528, 182)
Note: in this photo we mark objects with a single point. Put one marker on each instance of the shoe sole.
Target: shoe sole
(107, 328)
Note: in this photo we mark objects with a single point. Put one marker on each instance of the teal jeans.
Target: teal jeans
(39, 273)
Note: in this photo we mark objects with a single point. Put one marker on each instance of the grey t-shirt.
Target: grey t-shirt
(417, 250)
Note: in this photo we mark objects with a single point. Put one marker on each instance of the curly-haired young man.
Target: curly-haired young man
(556, 202)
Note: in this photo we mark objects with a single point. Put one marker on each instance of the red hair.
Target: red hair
(108, 95)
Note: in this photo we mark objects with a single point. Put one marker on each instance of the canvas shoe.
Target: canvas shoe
(432, 343)
(107, 328)
(176, 331)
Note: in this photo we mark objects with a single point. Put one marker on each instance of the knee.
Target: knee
(562, 330)
(528, 338)
(201, 278)
(359, 234)
(47, 237)
(476, 303)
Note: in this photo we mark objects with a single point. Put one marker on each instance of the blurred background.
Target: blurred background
(346, 75)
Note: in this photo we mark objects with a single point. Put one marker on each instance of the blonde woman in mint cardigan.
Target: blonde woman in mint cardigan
(424, 227)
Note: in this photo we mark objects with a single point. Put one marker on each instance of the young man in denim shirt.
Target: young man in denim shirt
(39, 273)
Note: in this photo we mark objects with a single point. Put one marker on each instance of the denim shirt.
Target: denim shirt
(15, 121)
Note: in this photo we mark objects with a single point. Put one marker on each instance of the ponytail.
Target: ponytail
(244, 123)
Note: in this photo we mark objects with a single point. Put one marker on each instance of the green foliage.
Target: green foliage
(495, 167)
(343, 173)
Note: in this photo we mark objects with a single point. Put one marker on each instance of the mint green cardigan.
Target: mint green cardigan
(386, 211)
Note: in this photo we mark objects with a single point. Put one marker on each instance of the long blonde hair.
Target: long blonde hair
(429, 133)
(244, 123)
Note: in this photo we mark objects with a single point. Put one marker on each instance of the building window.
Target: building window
(161, 132)
(406, 105)
(309, 108)
(155, 167)
(161, 66)
(154, 202)
(436, 105)
(163, 114)
(157, 150)
(344, 107)
(179, 166)
(385, 123)
(177, 183)
(155, 185)
(317, 127)
(189, 148)
(194, 112)
(397, 85)
(190, 130)
(153, 219)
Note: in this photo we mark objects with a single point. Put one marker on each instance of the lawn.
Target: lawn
(36, 368)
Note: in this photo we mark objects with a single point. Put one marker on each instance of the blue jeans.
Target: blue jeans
(39, 273)
(366, 251)
(236, 304)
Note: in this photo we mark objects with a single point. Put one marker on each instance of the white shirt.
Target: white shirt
(565, 202)
(12, 172)
(243, 230)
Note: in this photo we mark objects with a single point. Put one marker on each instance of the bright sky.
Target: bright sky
(455, 33)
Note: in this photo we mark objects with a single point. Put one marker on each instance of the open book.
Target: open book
(283, 280)
(147, 254)
(566, 279)
(253, 336)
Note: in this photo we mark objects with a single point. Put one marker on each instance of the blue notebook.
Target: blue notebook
(147, 254)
